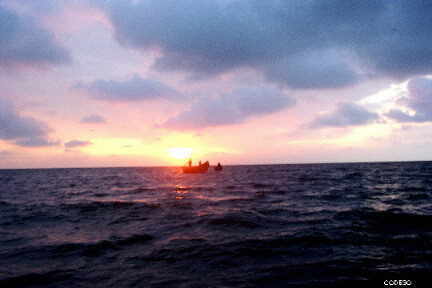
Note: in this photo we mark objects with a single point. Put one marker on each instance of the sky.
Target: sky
(151, 82)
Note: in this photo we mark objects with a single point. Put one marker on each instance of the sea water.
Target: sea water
(314, 225)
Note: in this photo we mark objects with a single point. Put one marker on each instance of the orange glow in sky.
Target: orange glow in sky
(172, 149)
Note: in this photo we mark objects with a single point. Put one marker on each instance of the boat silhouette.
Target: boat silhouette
(201, 168)
(218, 167)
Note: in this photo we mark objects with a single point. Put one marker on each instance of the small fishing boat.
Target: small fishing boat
(201, 168)
(218, 167)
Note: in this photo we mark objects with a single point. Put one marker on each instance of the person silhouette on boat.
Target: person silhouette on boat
(199, 163)
(190, 162)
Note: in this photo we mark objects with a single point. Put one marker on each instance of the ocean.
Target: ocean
(309, 225)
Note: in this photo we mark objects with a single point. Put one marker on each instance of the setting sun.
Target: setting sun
(180, 153)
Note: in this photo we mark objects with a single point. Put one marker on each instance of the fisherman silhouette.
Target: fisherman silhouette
(190, 162)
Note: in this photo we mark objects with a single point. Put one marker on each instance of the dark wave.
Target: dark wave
(138, 190)
(235, 221)
(418, 196)
(43, 279)
(86, 249)
(95, 206)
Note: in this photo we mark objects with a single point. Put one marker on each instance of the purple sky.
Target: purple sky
(123, 83)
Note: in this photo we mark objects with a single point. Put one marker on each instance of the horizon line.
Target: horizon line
(227, 165)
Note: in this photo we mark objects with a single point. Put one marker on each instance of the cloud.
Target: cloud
(346, 114)
(313, 70)
(24, 42)
(300, 44)
(419, 99)
(36, 142)
(231, 108)
(5, 153)
(76, 143)
(401, 116)
(133, 89)
(93, 119)
(21, 130)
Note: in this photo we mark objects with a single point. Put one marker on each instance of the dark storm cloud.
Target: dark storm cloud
(134, 89)
(289, 41)
(231, 108)
(346, 114)
(23, 131)
(318, 69)
(93, 119)
(76, 143)
(419, 99)
(23, 41)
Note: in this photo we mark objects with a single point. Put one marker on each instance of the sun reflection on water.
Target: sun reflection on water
(181, 191)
